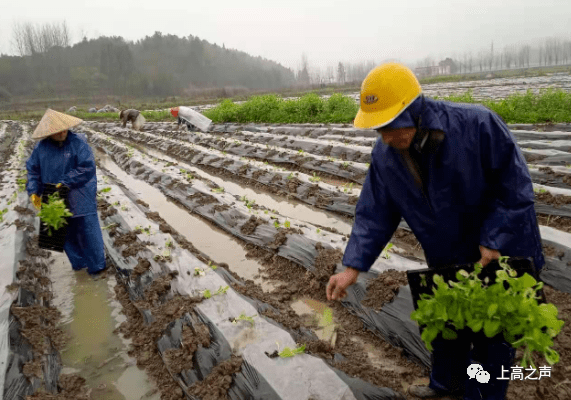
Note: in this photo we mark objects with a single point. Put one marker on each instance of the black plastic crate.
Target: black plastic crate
(56, 241)
(519, 264)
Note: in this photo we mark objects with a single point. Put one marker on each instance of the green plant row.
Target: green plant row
(309, 108)
(550, 105)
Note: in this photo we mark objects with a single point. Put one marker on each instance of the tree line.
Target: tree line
(159, 65)
(550, 51)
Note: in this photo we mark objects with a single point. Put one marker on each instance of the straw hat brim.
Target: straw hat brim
(53, 122)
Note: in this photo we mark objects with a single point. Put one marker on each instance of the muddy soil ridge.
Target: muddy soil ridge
(156, 307)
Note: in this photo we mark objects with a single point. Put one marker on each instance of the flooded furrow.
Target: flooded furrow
(90, 315)
(206, 238)
(290, 208)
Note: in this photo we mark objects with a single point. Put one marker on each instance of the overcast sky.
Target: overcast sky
(328, 31)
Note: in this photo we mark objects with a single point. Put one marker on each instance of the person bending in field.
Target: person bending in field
(457, 177)
(134, 117)
(65, 158)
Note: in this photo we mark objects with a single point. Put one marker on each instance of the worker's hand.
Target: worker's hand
(36, 201)
(58, 185)
(338, 283)
(488, 255)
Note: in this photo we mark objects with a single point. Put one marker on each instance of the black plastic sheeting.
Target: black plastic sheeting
(394, 326)
(560, 127)
(550, 178)
(248, 383)
(310, 193)
(323, 148)
(16, 385)
(353, 172)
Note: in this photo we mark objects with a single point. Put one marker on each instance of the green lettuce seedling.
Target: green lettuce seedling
(385, 253)
(54, 213)
(243, 317)
(287, 352)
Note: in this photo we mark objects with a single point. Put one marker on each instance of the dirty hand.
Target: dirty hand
(488, 255)
(36, 201)
(338, 283)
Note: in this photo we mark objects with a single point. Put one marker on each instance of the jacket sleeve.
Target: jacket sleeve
(84, 171)
(510, 189)
(34, 184)
(376, 219)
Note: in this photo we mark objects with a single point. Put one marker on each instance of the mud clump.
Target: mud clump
(326, 262)
(558, 222)
(142, 267)
(259, 173)
(250, 226)
(550, 251)
(216, 385)
(141, 202)
(293, 184)
(281, 236)
(533, 157)
(384, 288)
(202, 199)
(220, 208)
(276, 178)
(23, 210)
(555, 200)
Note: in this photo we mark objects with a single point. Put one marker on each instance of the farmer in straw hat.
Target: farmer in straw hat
(456, 175)
(63, 157)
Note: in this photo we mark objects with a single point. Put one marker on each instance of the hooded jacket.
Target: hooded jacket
(70, 163)
(476, 190)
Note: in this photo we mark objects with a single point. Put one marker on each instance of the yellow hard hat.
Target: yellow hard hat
(385, 93)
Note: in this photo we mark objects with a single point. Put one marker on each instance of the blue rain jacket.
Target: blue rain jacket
(477, 191)
(72, 164)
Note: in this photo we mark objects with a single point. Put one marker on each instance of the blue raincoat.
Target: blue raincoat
(72, 164)
(474, 189)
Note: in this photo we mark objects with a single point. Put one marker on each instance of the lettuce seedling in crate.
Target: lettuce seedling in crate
(509, 307)
(54, 213)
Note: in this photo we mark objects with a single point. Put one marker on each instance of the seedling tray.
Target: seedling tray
(520, 264)
(56, 241)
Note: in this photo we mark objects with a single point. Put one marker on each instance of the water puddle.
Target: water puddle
(319, 315)
(206, 238)
(94, 351)
(284, 207)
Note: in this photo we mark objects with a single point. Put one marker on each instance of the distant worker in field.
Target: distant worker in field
(456, 175)
(134, 117)
(64, 158)
(192, 119)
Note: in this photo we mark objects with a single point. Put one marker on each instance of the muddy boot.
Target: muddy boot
(425, 392)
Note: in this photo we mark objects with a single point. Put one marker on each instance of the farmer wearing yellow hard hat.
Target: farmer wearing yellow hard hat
(456, 175)
(63, 157)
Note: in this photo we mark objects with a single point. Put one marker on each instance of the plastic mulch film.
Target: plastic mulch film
(392, 323)
(299, 248)
(301, 187)
(299, 377)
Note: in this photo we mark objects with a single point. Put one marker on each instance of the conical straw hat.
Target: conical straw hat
(54, 122)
